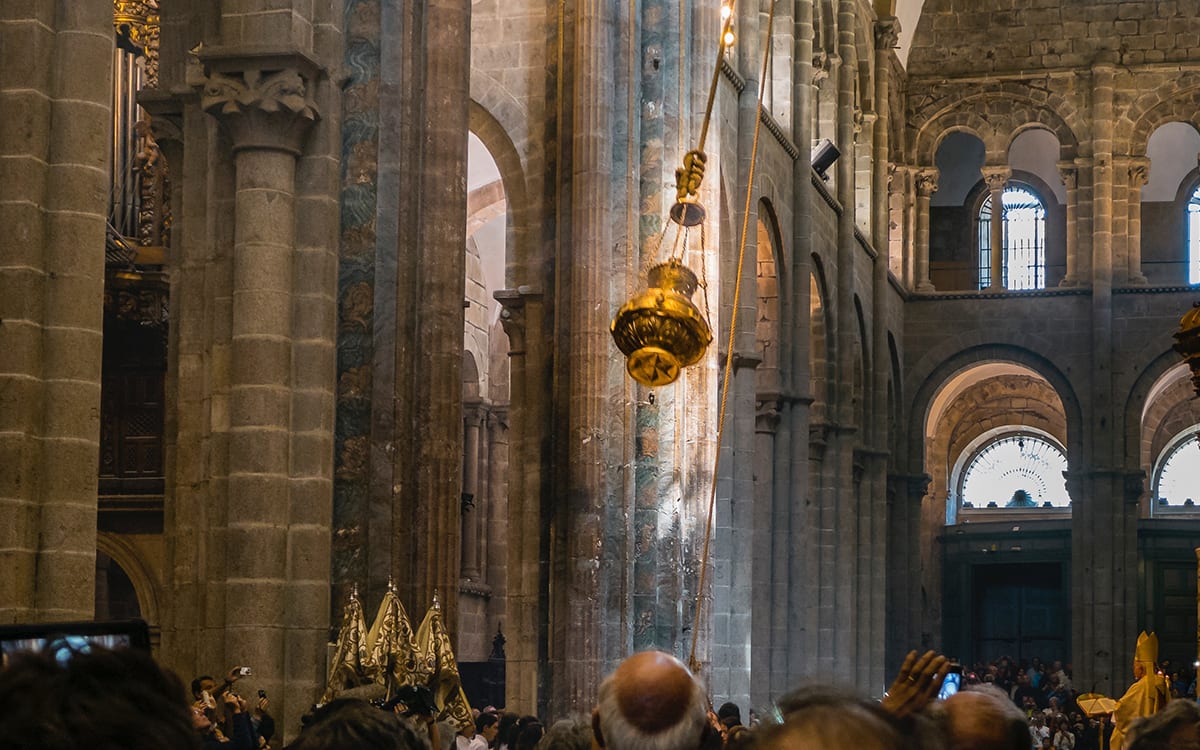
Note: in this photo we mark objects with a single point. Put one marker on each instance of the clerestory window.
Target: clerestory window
(1024, 260)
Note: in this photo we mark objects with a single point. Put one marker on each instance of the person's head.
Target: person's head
(488, 725)
(1175, 727)
(983, 718)
(201, 684)
(819, 718)
(99, 700)
(352, 722)
(650, 702)
(567, 734)
(729, 714)
(531, 734)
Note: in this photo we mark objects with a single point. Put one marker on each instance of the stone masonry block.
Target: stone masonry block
(83, 67)
(260, 405)
(312, 410)
(311, 502)
(260, 360)
(73, 353)
(262, 312)
(256, 551)
(308, 600)
(258, 451)
(24, 128)
(261, 499)
(256, 605)
(72, 410)
(312, 454)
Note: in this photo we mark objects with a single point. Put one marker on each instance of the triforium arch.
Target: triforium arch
(997, 118)
(1152, 110)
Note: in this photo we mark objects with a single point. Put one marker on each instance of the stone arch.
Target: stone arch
(895, 399)
(862, 369)
(1158, 106)
(521, 240)
(820, 350)
(948, 367)
(1140, 405)
(771, 304)
(997, 116)
(139, 570)
(470, 375)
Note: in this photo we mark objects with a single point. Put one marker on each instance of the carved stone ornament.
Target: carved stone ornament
(927, 182)
(262, 109)
(887, 33)
(996, 177)
(1139, 173)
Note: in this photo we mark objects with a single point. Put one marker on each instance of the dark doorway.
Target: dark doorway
(1020, 610)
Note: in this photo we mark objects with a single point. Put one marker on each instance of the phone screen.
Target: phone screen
(67, 638)
(951, 684)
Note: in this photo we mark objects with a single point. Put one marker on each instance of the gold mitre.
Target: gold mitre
(1147, 648)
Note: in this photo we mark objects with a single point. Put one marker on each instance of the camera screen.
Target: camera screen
(67, 638)
(950, 685)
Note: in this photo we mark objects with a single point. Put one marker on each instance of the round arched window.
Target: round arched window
(1024, 259)
(1178, 481)
(1016, 471)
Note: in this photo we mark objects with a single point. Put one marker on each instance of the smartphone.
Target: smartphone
(952, 682)
(65, 639)
(244, 671)
(262, 694)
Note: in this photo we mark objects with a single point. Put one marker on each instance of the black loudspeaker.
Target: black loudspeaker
(824, 154)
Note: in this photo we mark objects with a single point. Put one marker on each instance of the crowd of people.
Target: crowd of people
(101, 700)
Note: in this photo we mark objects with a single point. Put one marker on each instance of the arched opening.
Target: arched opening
(116, 597)
(1024, 259)
(1169, 208)
(1177, 475)
(1015, 469)
(485, 388)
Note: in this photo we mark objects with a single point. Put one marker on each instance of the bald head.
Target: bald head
(651, 702)
(981, 719)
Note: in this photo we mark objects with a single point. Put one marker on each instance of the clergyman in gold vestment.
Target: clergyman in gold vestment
(1144, 697)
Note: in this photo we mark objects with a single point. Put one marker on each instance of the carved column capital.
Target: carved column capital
(996, 176)
(927, 182)
(887, 33)
(1069, 173)
(263, 102)
(767, 412)
(512, 315)
(1139, 172)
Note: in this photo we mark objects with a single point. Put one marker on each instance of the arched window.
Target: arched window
(1016, 470)
(1024, 239)
(1178, 480)
(1193, 233)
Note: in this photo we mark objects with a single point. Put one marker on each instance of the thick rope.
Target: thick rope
(737, 293)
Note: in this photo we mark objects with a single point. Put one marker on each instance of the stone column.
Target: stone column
(1070, 177)
(887, 32)
(587, 256)
(472, 502)
(53, 203)
(1106, 499)
(524, 566)
(927, 185)
(266, 106)
(790, 648)
(1139, 176)
(996, 177)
